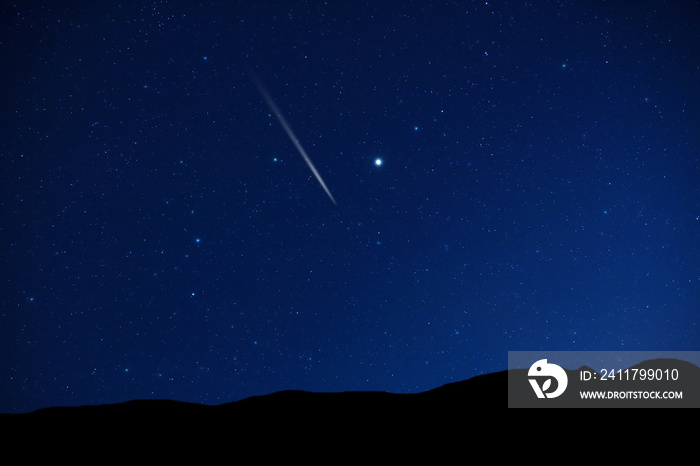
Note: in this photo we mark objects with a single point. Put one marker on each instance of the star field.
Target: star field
(508, 176)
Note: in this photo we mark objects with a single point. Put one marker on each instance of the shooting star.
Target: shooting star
(291, 135)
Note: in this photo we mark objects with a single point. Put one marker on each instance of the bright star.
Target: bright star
(378, 162)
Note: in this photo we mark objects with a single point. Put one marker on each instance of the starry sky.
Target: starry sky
(507, 176)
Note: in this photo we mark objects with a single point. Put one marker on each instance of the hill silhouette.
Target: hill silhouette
(290, 406)
(465, 399)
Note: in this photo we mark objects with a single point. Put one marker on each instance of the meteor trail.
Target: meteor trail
(291, 135)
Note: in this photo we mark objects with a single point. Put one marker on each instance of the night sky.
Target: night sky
(163, 237)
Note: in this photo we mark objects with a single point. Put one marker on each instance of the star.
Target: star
(378, 162)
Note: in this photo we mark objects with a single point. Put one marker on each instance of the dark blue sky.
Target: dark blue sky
(162, 237)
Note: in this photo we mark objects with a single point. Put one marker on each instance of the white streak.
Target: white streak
(291, 135)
